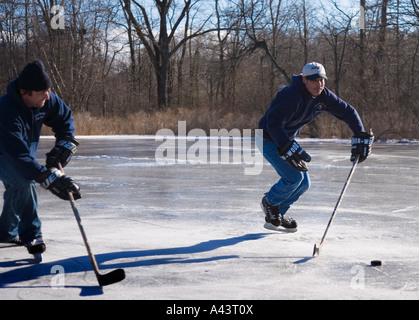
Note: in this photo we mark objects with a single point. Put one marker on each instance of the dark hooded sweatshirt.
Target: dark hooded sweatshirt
(20, 129)
(294, 107)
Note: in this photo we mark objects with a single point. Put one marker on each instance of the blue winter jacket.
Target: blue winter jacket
(20, 129)
(294, 107)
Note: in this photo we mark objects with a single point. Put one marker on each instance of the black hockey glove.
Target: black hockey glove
(361, 146)
(59, 184)
(62, 152)
(295, 156)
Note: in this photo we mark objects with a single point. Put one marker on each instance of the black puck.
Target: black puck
(376, 263)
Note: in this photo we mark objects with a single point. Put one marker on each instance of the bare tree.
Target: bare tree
(11, 18)
(158, 42)
(335, 31)
(382, 30)
(253, 12)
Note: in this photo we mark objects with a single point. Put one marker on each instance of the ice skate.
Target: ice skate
(36, 248)
(12, 242)
(16, 241)
(274, 220)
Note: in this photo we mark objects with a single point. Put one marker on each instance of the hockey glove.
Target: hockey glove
(59, 184)
(62, 152)
(361, 146)
(295, 156)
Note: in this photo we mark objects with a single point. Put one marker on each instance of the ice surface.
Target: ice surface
(194, 231)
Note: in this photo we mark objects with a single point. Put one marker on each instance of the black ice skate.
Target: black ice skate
(271, 213)
(274, 220)
(36, 248)
(16, 241)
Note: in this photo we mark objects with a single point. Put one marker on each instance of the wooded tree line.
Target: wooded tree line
(117, 58)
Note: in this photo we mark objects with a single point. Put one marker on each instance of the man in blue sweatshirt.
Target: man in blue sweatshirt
(28, 104)
(289, 112)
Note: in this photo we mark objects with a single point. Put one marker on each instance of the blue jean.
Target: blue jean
(19, 216)
(293, 183)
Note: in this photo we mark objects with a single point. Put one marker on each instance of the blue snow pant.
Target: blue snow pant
(19, 216)
(293, 183)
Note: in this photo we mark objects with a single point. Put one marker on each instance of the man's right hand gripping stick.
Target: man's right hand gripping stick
(295, 156)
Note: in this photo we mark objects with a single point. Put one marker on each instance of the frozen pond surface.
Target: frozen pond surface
(195, 231)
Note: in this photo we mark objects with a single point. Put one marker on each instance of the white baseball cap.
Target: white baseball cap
(314, 70)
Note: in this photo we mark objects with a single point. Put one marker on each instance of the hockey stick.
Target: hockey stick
(316, 249)
(103, 279)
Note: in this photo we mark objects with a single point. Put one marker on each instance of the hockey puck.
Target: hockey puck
(376, 263)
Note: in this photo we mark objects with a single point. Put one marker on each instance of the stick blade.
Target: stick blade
(316, 251)
(111, 277)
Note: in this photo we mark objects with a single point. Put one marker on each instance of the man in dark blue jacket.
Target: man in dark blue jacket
(289, 112)
(28, 104)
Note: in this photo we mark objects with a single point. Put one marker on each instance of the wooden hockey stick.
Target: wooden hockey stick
(317, 249)
(103, 279)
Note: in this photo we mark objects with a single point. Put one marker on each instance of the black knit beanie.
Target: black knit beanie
(33, 77)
